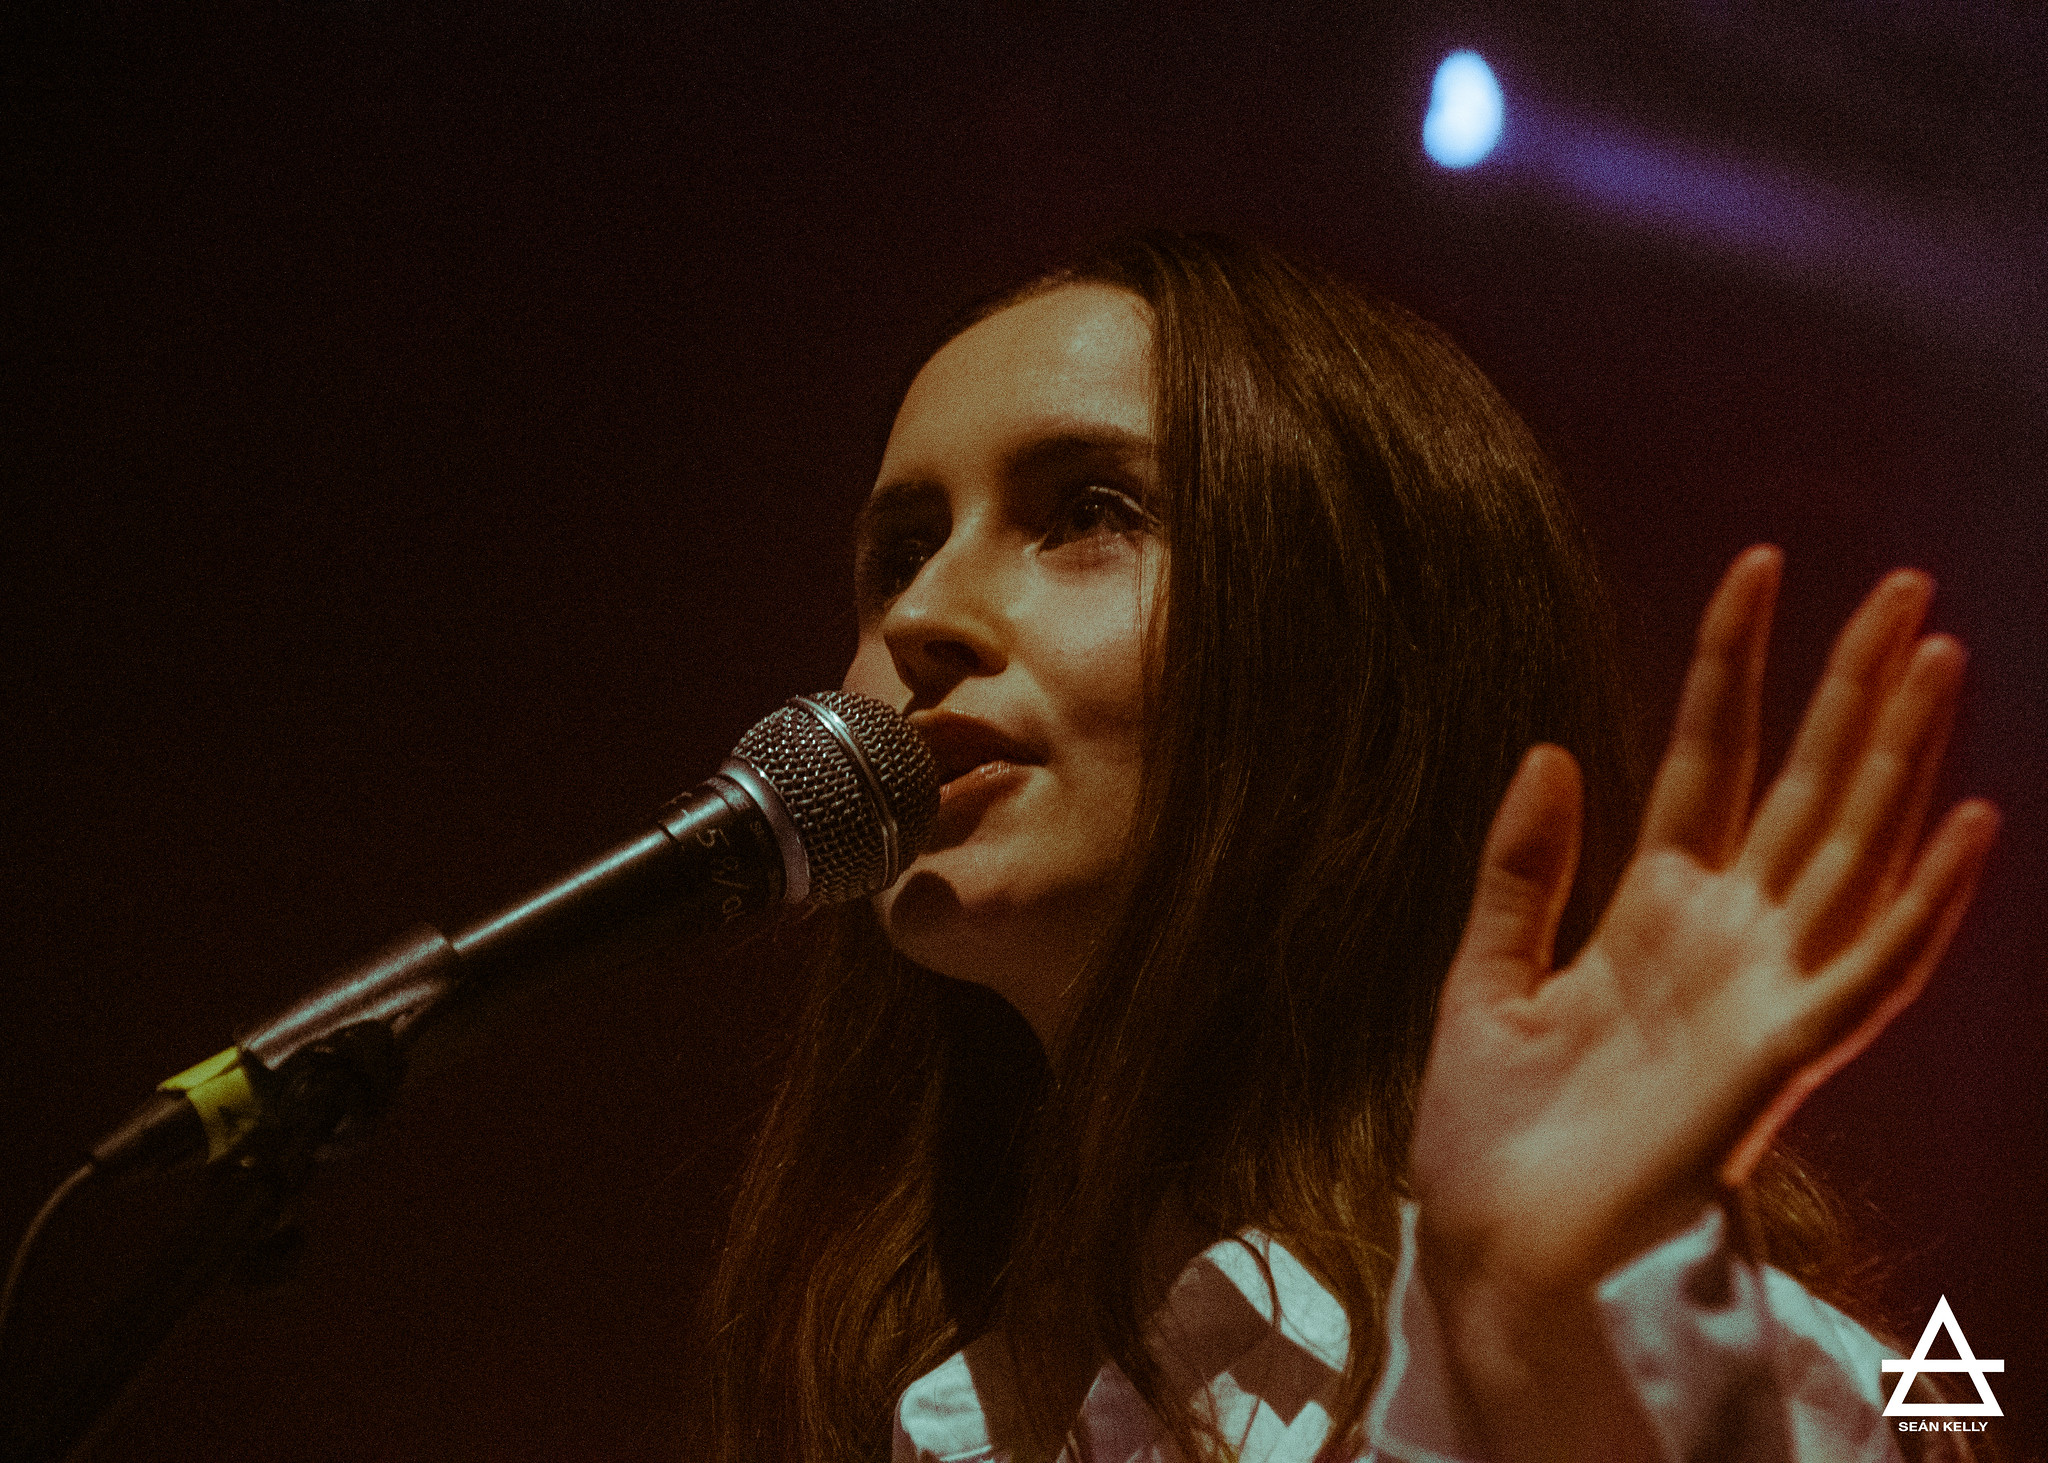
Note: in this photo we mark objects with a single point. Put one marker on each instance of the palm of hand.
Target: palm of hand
(1570, 1119)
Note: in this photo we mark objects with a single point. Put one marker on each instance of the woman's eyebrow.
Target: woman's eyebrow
(895, 499)
(1045, 454)
(1074, 446)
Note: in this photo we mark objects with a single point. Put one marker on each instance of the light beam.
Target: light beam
(1465, 111)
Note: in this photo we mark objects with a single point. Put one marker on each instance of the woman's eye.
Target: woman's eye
(886, 568)
(1094, 511)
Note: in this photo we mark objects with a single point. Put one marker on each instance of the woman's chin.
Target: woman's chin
(971, 930)
(937, 920)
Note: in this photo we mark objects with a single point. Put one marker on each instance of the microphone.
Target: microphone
(825, 800)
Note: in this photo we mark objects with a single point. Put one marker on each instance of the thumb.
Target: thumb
(1525, 874)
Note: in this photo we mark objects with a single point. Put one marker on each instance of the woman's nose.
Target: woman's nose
(950, 622)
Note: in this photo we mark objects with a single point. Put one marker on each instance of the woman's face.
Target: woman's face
(1007, 567)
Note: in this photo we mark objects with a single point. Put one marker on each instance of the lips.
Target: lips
(962, 743)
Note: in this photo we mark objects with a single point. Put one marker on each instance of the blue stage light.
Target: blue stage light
(1465, 111)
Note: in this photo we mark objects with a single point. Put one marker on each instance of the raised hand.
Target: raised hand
(1569, 1119)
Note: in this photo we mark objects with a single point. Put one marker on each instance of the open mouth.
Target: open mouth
(979, 774)
(969, 751)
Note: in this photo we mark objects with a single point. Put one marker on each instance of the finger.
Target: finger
(1868, 834)
(1871, 997)
(1525, 874)
(1914, 818)
(1888, 967)
(1837, 723)
(1700, 801)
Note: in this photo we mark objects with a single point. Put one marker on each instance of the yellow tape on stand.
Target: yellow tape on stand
(219, 1088)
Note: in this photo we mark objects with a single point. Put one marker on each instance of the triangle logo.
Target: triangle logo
(1942, 1320)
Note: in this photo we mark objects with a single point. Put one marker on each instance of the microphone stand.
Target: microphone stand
(323, 1072)
(865, 789)
(327, 1092)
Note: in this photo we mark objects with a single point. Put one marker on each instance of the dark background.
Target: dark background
(435, 432)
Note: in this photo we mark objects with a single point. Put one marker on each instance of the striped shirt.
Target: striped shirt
(1729, 1361)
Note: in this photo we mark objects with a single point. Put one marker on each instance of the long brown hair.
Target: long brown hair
(1377, 600)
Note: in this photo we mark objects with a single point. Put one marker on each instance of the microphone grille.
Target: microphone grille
(861, 812)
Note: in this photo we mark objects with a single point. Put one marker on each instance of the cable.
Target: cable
(28, 1241)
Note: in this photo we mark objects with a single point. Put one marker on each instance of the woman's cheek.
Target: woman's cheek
(873, 671)
(1101, 690)
(1105, 629)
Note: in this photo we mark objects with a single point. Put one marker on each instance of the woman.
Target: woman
(1261, 656)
